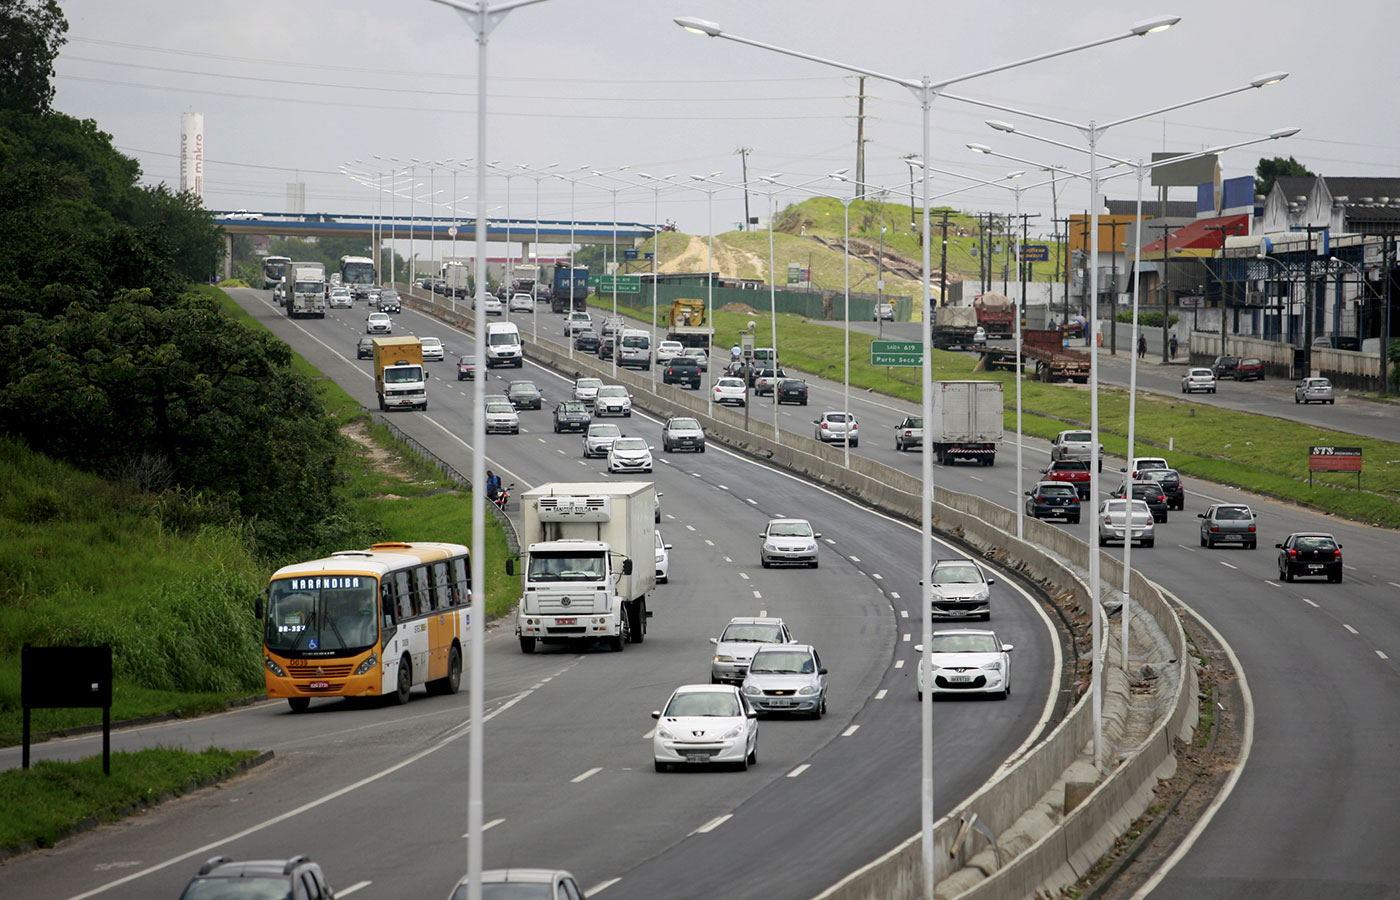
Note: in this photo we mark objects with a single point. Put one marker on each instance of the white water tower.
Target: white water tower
(192, 153)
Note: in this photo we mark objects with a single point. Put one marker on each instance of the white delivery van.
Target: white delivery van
(503, 346)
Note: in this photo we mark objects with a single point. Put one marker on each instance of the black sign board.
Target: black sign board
(67, 678)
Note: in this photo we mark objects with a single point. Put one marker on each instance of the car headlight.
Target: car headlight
(664, 734)
(751, 690)
(994, 666)
(368, 664)
(807, 690)
(273, 667)
(984, 594)
(732, 733)
(724, 658)
(811, 547)
(768, 545)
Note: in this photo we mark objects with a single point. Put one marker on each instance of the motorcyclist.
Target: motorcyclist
(493, 485)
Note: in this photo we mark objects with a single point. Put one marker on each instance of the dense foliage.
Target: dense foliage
(31, 31)
(1269, 169)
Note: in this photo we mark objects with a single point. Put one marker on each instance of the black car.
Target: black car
(682, 370)
(605, 347)
(390, 304)
(1151, 493)
(1224, 366)
(524, 395)
(1169, 480)
(1053, 500)
(586, 340)
(1310, 554)
(792, 390)
(297, 878)
(365, 348)
(572, 415)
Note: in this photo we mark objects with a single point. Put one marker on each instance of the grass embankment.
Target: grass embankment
(1256, 453)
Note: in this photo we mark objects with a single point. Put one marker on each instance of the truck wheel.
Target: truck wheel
(636, 620)
(527, 644)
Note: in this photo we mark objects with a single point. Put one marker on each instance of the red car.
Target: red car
(1249, 368)
(1071, 471)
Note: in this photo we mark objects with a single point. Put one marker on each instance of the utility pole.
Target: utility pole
(1021, 263)
(1062, 241)
(879, 271)
(909, 161)
(943, 261)
(1113, 285)
(860, 140)
(743, 153)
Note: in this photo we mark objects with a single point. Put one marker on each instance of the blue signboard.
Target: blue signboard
(629, 252)
(1035, 253)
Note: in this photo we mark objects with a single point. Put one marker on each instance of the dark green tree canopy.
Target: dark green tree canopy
(31, 31)
(1269, 169)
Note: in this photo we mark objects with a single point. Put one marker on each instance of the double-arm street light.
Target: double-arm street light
(573, 184)
(611, 175)
(536, 175)
(925, 88)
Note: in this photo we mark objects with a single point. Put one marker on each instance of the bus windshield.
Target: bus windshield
(357, 271)
(321, 614)
(566, 567)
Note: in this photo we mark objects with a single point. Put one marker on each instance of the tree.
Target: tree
(1269, 169)
(31, 31)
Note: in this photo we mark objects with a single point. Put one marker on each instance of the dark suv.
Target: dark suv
(1224, 366)
(682, 370)
(297, 878)
(1151, 492)
(1169, 480)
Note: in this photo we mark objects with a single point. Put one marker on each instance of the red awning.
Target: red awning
(1202, 235)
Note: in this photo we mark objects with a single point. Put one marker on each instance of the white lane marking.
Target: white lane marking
(1274, 583)
(713, 824)
(353, 888)
(1227, 565)
(1381, 654)
(850, 731)
(799, 770)
(757, 595)
(905, 637)
(727, 559)
(1349, 628)
(485, 827)
(880, 694)
(751, 500)
(649, 735)
(583, 462)
(1352, 568)
(696, 474)
(1393, 584)
(854, 559)
(586, 775)
(894, 595)
(904, 613)
(833, 543)
(1186, 548)
(878, 577)
(1310, 603)
(543, 441)
(763, 613)
(561, 452)
(899, 664)
(601, 886)
(974, 478)
(723, 487)
(744, 575)
(709, 542)
(665, 461)
(690, 527)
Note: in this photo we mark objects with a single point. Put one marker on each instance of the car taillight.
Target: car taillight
(1251, 528)
(1074, 499)
(1337, 554)
(1217, 528)
(1292, 554)
(823, 425)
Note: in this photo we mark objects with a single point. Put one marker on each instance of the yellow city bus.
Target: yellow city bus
(365, 623)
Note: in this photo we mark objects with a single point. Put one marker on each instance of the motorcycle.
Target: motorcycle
(503, 497)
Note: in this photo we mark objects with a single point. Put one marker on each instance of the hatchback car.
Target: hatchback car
(961, 589)
(667, 351)
(571, 415)
(883, 312)
(606, 347)
(682, 433)
(586, 389)
(365, 348)
(432, 349)
(522, 884)
(729, 390)
(524, 395)
(340, 298)
(388, 302)
(663, 559)
(1141, 464)
(598, 439)
(466, 368)
(1249, 368)
(786, 678)
(737, 644)
(1224, 366)
(1053, 500)
(493, 306)
(788, 542)
(1229, 523)
(629, 454)
(1314, 390)
(966, 661)
(1198, 380)
(503, 418)
(297, 878)
(1310, 554)
(378, 323)
(1169, 480)
(682, 370)
(612, 400)
(521, 303)
(909, 433)
(612, 326)
(979, 337)
(586, 340)
(1113, 523)
(703, 724)
(1073, 472)
(702, 359)
(1074, 444)
(792, 390)
(837, 427)
(1148, 492)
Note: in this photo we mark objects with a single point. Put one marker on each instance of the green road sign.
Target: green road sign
(896, 353)
(626, 284)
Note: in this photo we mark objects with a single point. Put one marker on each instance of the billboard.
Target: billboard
(1184, 174)
(192, 153)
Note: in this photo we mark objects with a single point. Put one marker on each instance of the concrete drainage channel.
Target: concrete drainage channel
(1056, 810)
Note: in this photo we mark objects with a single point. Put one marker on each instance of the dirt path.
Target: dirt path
(729, 263)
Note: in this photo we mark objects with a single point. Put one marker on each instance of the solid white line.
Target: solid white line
(1227, 565)
(353, 888)
(880, 694)
(1349, 628)
(713, 824)
(1381, 654)
(799, 770)
(899, 664)
(589, 774)
(485, 827)
(850, 731)
(601, 886)
(1310, 603)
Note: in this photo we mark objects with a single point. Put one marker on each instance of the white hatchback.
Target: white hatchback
(522, 303)
(379, 323)
(966, 661)
(432, 349)
(629, 454)
(1198, 380)
(703, 724)
(667, 351)
(837, 427)
(729, 390)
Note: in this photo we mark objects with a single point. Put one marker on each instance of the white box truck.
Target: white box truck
(306, 289)
(967, 421)
(589, 561)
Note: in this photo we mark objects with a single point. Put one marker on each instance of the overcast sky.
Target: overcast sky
(291, 91)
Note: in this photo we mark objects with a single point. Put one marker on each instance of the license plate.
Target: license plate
(319, 685)
(1314, 565)
(779, 702)
(697, 757)
(570, 621)
(959, 679)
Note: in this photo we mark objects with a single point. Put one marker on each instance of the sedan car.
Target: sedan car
(297, 878)
(786, 678)
(365, 348)
(1149, 492)
(909, 433)
(629, 454)
(586, 340)
(737, 644)
(1075, 444)
(682, 433)
(1229, 523)
(1249, 368)
(667, 351)
(378, 323)
(966, 661)
(1113, 523)
(699, 355)
(522, 884)
(586, 389)
(612, 400)
(961, 589)
(703, 724)
(1169, 480)
(1198, 380)
(837, 427)
(524, 395)
(612, 326)
(606, 347)
(729, 390)
(502, 417)
(1310, 554)
(792, 390)
(571, 415)
(388, 301)
(1314, 390)
(493, 306)
(598, 439)
(522, 303)
(663, 559)
(1072, 472)
(1053, 500)
(788, 542)
(432, 349)
(466, 368)
(883, 311)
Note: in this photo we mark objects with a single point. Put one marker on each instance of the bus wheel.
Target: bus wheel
(299, 704)
(405, 684)
(453, 679)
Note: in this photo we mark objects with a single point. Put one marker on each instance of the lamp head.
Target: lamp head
(699, 26)
(1283, 133)
(1266, 80)
(1016, 174)
(1002, 126)
(1152, 26)
(979, 148)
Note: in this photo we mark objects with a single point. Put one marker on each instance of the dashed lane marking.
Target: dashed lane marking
(586, 775)
(1349, 628)
(850, 731)
(799, 770)
(880, 694)
(713, 824)
(486, 826)
(1310, 603)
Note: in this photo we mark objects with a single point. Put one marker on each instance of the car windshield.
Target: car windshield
(1201, 373)
(513, 890)
(783, 662)
(703, 703)
(496, 338)
(241, 888)
(839, 417)
(1314, 542)
(729, 383)
(499, 408)
(752, 634)
(789, 529)
(1162, 476)
(612, 390)
(956, 574)
(636, 340)
(523, 387)
(572, 406)
(1077, 437)
(379, 317)
(577, 566)
(792, 384)
(1251, 361)
(586, 383)
(625, 444)
(1146, 491)
(467, 361)
(321, 613)
(431, 342)
(604, 431)
(964, 643)
(387, 294)
(684, 425)
(1056, 490)
(1233, 513)
(1069, 465)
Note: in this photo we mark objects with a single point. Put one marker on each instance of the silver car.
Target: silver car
(1076, 444)
(539, 884)
(967, 661)
(502, 417)
(1198, 380)
(586, 389)
(961, 589)
(1229, 523)
(739, 641)
(1314, 390)
(1113, 523)
(786, 678)
(788, 542)
(682, 433)
(612, 400)
(598, 439)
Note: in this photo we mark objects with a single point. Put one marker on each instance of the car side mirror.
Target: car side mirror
(1280, 546)
(656, 713)
(650, 447)
(817, 535)
(752, 714)
(666, 546)
(822, 670)
(714, 641)
(763, 534)
(510, 567)
(1339, 546)
(1200, 515)
(1007, 648)
(991, 581)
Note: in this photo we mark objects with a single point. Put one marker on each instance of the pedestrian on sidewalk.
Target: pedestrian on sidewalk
(1172, 346)
(1142, 346)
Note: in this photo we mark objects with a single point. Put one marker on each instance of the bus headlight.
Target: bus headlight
(368, 664)
(273, 667)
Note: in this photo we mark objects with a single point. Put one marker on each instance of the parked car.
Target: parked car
(909, 433)
(682, 433)
(1224, 366)
(524, 395)
(1249, 368)
(365, 348)
(1148, 492)
(737, 644)
(466, 368)
(979, 337)
(297, 878)
(432, 349)
(702, 724)
(1198, 380)
(1053, 500)
(571, 415)
(789, 542)
(502, 417)
(1071, 471)
(667, 351)
(682, 370)
(765, 381)
(586, 389)
(838, 427)
(1114, 526)
(598, 439)
(1308, 554)
(1314, 390)
(1229, 523)
(966, 661)
(522, 303)
(612, 400)
(883, 311)
(961, 589)
(792, 390)
(786, 678)
(729, 390)
(378, 323)
(1169, 480)
(629, 454)
(586, 340)
(534, 884)
(1074, 444)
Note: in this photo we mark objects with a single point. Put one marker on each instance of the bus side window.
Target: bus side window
(403, 596)
(386, 606)
(442, 586)
(461, 580)
(423, 591)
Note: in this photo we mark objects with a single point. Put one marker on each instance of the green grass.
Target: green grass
(51, 799)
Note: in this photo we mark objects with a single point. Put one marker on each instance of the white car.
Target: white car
(1113, 523)
(492, 305)
(961, 589)
(789, 542)
(703, 724)
(576, 322)
(966, 661)
(883, 311)
(667, 351)
(735, 646)
(586, 389)
(340, 298)
(629, 454)
(837, 427)
(546, 884)
(502, 417)
(432, 349)
(663, 559)
(979, 337)
(1314, 390)
(700, 356)
(379, 323)
(730, 390)
(1198, 380)
(522, 303)
(598, 439)
(1141, 463)
(612, 400)
(1074, 444)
